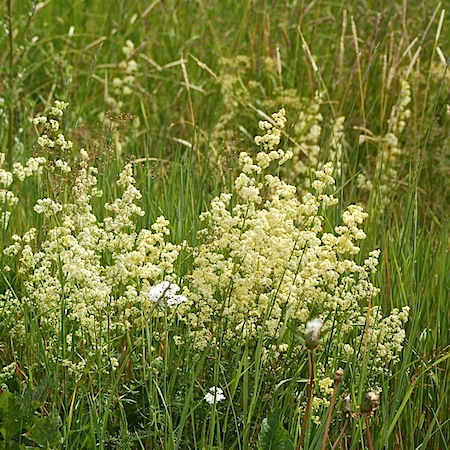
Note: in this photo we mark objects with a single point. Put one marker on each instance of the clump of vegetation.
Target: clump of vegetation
(169, 280)
(265, 262)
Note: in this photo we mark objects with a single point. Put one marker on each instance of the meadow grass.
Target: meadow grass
(176, 89)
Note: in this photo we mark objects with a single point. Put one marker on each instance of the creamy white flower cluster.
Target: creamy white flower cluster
(7, 197)
(320, 400)
(307, 132)
(265, 260)
(390, 152)
(165, 293)
(47, 207)
(117, 96)
(97, 272)
(7, 372)
(400, 112)
(32, 166)
(126, 84)
(307, 135)
(19, 172)
(48, 137)
(386, 336)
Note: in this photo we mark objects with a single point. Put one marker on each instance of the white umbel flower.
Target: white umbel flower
(214, 395)
(165, 293)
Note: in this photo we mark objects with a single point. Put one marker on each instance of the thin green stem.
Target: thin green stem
(10, 74)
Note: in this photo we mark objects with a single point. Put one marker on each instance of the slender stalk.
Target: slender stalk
(308, 401)
(337, 379)
(369, 435)
(340, 436)
(10, 74)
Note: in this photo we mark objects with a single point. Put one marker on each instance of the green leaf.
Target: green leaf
(14, 446)
(45, 432)
(12, 415)
(39, 391)
(273, 436)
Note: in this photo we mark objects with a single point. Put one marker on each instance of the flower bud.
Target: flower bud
(312, 333)
(368, 403)
(347, 406)
(338, 376)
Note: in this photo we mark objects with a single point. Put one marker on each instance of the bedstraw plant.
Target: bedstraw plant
(102, 303)
(170, 281)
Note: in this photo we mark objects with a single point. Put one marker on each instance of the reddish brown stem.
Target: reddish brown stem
(369, 435)
(330, 413)
(308, 401)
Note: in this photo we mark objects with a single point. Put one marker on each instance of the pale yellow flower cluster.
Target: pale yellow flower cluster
(7, 197)
(321, 400)
(256, 255)
(390, 152)
(7, 373)
(19, 172)
(307, 135)
(93, 275)
(126, 84)
(386, 337)
(47, 207)
(32, 166)
(47, 138)
(265, 260)
(400, 112)
(117, 95)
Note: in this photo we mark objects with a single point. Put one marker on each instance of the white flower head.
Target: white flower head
(214, 395)
(165, 293)
(312, 333)
(372, 397)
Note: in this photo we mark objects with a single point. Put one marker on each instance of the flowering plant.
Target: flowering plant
(89, 279)
(267, 262)
(269, 259)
